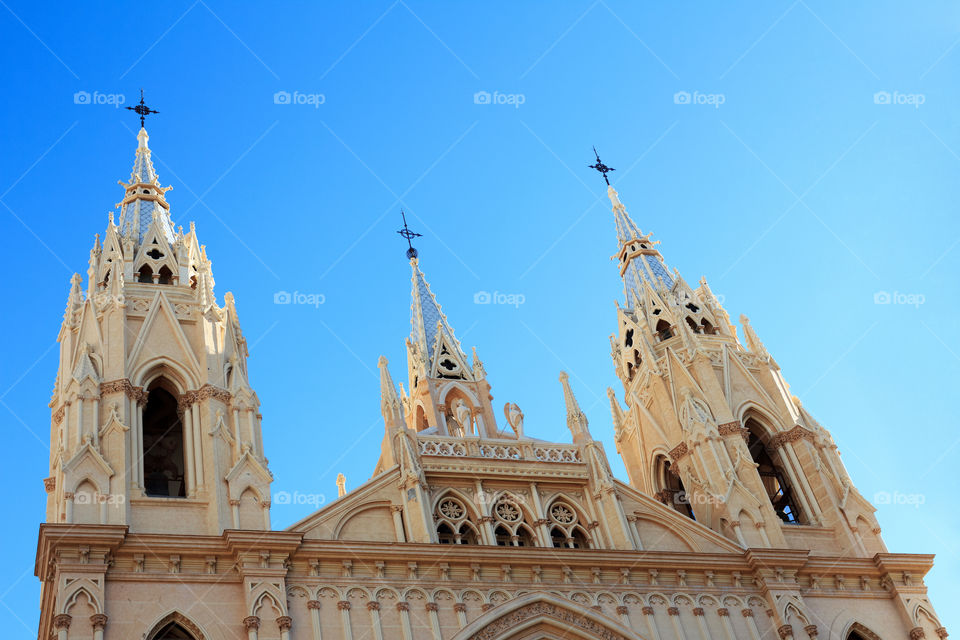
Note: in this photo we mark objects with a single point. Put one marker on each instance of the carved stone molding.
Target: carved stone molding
(747, 613)
(373, 606)
(793, 435)
(673, 611)
(251, 622)
(941, 632)
(811, 630)
(343, 605)
(567, 617)
(622, 610)
(698, 611)
(210, 391)
(62, 621)
(50, 484)
(459, 607)
(313, 604)
(124, 385)
(679, 451)
(284, 622)
(432, 606)
(732, 429)
(58, 415)
(916, 633)
(785, 631)
(723, 612)
(403, 606)
(486, 606)
(647, 611)
(98, 621)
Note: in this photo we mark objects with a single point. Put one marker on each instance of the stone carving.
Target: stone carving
(514, 418)
(545, 609)
(463, 416)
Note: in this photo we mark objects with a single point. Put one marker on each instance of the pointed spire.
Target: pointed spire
(144, 199)
(390, 405)
(576, 420)
(751, 338)
(616, 412)
(428, 323)
(479, 372)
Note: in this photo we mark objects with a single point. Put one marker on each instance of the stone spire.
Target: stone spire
(639, 261)
(429, 326)
(390, 405)
(144, 199)
(576, 420)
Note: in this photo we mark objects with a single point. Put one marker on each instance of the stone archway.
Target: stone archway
(544, 615)
(178, 624)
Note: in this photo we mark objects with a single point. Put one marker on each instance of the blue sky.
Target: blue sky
(799, 192)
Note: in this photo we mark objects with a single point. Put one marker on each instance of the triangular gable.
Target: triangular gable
(160, 330)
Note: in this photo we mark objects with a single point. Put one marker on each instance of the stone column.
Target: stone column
(235, 509)
(751, 624)
(374, 608)
(651, 623)
(540, 520)
(404, 609)
(461, 610)
(724, 614)
(284, 622)
(61, 623)
(313, 606)
(68, 507)
(265, 505)
(344, 607)
(702, 623)
(674, 614)
(623, 612)
(252, 623)
(189, 463)
(96, 423)
(397, 510)
(434, 620)
(98, 621)
(811, 631)
(197, 443)
(785, 631)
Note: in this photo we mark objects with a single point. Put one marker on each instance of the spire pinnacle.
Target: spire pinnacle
(576, 420)
(142, 110)
(408, 235)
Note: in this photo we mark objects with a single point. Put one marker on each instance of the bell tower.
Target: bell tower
(710, 427)
(154, 423)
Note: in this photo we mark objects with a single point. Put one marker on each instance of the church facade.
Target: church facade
(739, 520)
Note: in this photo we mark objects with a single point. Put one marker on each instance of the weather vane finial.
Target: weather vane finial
(142, 110)
(602, 168)
(408, 235)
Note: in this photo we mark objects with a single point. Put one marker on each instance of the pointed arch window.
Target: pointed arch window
(453, 523)
(669, 487)
(165, 275)
(772, 475)
(163, 458)
(145, 274)
(172, 631)
(693, 325)
(664, 331)
(566, 530)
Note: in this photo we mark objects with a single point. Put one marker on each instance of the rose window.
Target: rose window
(451, 509)
(508, 512)
(562, 513)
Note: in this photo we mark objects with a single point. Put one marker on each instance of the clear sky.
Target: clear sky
(799, 192)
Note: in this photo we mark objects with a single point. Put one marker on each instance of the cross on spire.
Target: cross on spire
(142, 110)
(408, 235)
(602, 168)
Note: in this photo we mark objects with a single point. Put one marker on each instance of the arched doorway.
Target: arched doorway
(175, 626)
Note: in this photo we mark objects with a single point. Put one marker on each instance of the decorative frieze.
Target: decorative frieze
(679, 451)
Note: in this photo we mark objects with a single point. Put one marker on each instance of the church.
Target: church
(738, 519)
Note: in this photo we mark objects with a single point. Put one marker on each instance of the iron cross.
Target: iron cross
(408, 235)
(142, 109)
(602, 168)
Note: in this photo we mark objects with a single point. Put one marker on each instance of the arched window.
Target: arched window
(524, 537)
(502, 536)
(669, 487)
(771, 474)
(708, 328)
(166, 276)
(445, 534)
(577, 539)
(145, 274)
(693, 325)
(664, 332)
(163, 466)
(558, 537)
(172, 631)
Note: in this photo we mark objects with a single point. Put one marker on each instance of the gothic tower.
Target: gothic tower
(155, 425)
(711, 428)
